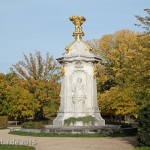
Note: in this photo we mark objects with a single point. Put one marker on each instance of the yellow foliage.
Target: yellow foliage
(117, 102)
(125, 59)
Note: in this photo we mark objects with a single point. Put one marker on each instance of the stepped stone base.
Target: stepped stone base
(61, 117)
(107, 129)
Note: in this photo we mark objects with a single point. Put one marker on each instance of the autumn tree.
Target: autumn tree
(21, 103)
(4, 95)
(42, 78)
(117, 102)
(141, 65)
(139, 74)
(117, 51)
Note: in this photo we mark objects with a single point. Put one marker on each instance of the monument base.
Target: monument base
(107, 129)
(61, 117)
(68, 130)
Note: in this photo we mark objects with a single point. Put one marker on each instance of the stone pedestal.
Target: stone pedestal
(78, 85)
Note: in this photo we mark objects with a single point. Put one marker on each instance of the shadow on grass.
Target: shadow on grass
(130, 140)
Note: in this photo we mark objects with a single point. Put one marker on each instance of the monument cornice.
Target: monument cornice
(81, 58)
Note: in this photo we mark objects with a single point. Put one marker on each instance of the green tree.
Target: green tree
(141, 80)
(144, 122)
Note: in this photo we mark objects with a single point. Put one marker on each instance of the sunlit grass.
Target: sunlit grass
(16, 147)
(65, 135)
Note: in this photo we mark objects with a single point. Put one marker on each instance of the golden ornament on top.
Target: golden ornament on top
(78, 21)
(78, 33)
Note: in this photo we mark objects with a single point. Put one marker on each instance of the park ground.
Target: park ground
(65, 143)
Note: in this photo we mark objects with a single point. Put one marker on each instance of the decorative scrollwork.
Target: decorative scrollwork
(63, 70)
(95, 70)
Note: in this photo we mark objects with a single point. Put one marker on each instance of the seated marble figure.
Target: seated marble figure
(79, 88)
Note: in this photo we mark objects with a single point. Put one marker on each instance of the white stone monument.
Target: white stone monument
(78, 85)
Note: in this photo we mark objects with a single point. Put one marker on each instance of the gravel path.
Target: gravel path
(55, 143)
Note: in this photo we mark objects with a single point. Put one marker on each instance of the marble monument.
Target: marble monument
(78, 85)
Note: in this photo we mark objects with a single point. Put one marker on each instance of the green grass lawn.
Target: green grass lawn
(16, 147)
(64, 135)
(3, 128)
(143, 148)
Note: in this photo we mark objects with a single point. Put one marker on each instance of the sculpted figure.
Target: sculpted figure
(79, 89)
(79, 96)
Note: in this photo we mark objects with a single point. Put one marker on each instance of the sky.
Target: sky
(27, 26)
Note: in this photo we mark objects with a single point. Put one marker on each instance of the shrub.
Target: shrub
(129, 131)
(144, 123)
(33, 125)
(89, 120)
(126, 126)
(3, 121)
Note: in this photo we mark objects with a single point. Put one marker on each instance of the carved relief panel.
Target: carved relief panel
(79, 90)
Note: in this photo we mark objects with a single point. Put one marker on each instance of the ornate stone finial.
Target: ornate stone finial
(78, 21)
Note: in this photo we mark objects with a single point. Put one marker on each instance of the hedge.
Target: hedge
(33, 125)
